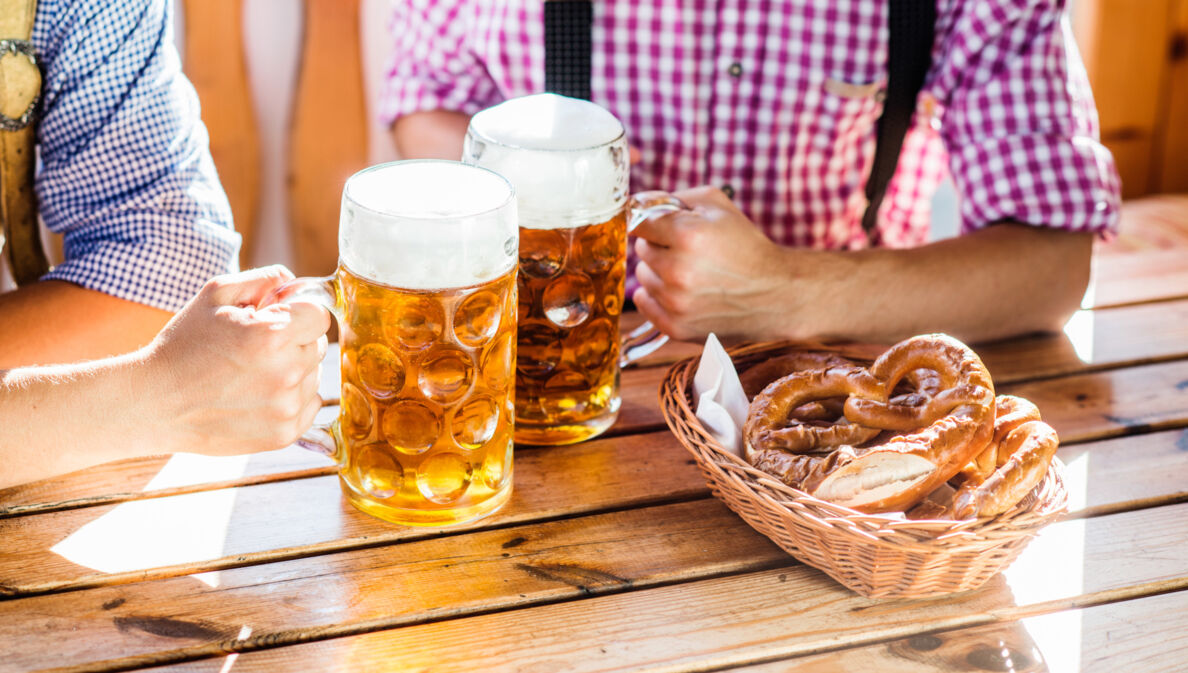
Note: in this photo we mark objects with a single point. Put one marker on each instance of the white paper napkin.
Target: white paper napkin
(721, 402)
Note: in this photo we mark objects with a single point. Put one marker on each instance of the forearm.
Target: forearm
(1002, 281)
(434, 134)
(66, 417)
(55, 321)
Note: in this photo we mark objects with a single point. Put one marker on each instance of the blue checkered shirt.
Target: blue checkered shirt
(126, 175)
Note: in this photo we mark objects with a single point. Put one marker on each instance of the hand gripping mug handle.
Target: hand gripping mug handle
(645, 339)
(320, 437)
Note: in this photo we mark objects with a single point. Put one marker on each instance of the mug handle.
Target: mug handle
(645, 339)
(320, 437)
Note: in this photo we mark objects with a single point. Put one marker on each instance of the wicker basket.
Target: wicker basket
(875, 556)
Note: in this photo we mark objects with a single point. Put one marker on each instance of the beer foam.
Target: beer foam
(428, 225)
(566, 157)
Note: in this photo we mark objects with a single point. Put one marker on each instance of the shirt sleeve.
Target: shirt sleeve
(126, 174)
(1020, 124)
(434, 63)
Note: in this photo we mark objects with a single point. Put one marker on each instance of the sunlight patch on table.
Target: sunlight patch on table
(1079, 330)
(230, 660)
(1053, 567)
(145, 534)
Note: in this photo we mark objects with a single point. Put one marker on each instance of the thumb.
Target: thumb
(247, 288)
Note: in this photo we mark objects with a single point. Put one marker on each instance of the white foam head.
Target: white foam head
(428, 225)
(566, 157)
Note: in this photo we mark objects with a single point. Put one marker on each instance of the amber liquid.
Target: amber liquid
(570, 299)
(427, 412)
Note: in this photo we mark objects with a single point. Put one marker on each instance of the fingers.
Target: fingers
(246, 288)
(309, 322)
(656, 313)
(705, 197)
(659, 230)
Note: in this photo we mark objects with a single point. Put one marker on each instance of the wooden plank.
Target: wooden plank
(728, 621)
(154, 477)
(1126, 59)
(329, 133)
(215, 63)
(408, 583)
(1102, 477)
(1081, 408)
(1152, 223)
(1157, 275)
(1107, 404)
(1174, 168)
(1145, 634)
(1127, 473)
(1101, 339)
(1105, 338)
(289, 519)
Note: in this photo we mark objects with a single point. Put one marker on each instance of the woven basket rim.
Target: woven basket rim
(1047, 502)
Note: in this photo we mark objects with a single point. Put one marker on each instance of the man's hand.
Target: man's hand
(709, 269)
(236, 378)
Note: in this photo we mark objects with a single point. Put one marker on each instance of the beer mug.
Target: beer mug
(425, 298)
(568, 161)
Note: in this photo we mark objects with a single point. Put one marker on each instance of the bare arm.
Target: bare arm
(712, 270)
(222, 378)
(55, 321)
(434, 134)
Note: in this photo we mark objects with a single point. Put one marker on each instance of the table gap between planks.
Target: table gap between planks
(613, 554)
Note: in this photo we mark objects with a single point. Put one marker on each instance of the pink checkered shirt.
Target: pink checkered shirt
(778, 99)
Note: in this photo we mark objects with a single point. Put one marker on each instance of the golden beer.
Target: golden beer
(568, 161)
(427, 412)
(425, 297)
(570, 298)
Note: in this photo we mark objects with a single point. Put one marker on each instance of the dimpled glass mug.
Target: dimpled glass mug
(425, 297)
(568, 161)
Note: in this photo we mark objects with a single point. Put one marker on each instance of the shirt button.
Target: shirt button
(728, 191)
(735, 70)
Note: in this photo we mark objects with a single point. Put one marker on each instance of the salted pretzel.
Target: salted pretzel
(945, 423)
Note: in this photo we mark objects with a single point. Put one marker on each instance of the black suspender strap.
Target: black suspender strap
(567, 47)
(912, 25)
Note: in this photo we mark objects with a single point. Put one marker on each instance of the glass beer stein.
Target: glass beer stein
(568, 161)
(425, 297)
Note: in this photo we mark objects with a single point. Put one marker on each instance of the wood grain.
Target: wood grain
(386, 586)
(1155, 275)
(1174, 169)
(1115, 337)
(1107, 404)
(215, 63)
(1145, 634)
(1081, 408)
(783, 612)
(288, 519)
(329, 134)
(1102, 477)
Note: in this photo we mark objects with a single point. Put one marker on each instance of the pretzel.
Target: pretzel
(952, 410)
(1024, 446)
(1009, 413)
(770, 424)
(756, 378)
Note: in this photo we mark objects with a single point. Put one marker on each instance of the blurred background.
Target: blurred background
(289, 92)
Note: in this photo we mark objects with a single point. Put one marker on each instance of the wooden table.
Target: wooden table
(613, 555)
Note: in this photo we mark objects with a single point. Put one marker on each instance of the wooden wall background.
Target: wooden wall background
(288, 91)
(1136, 52)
